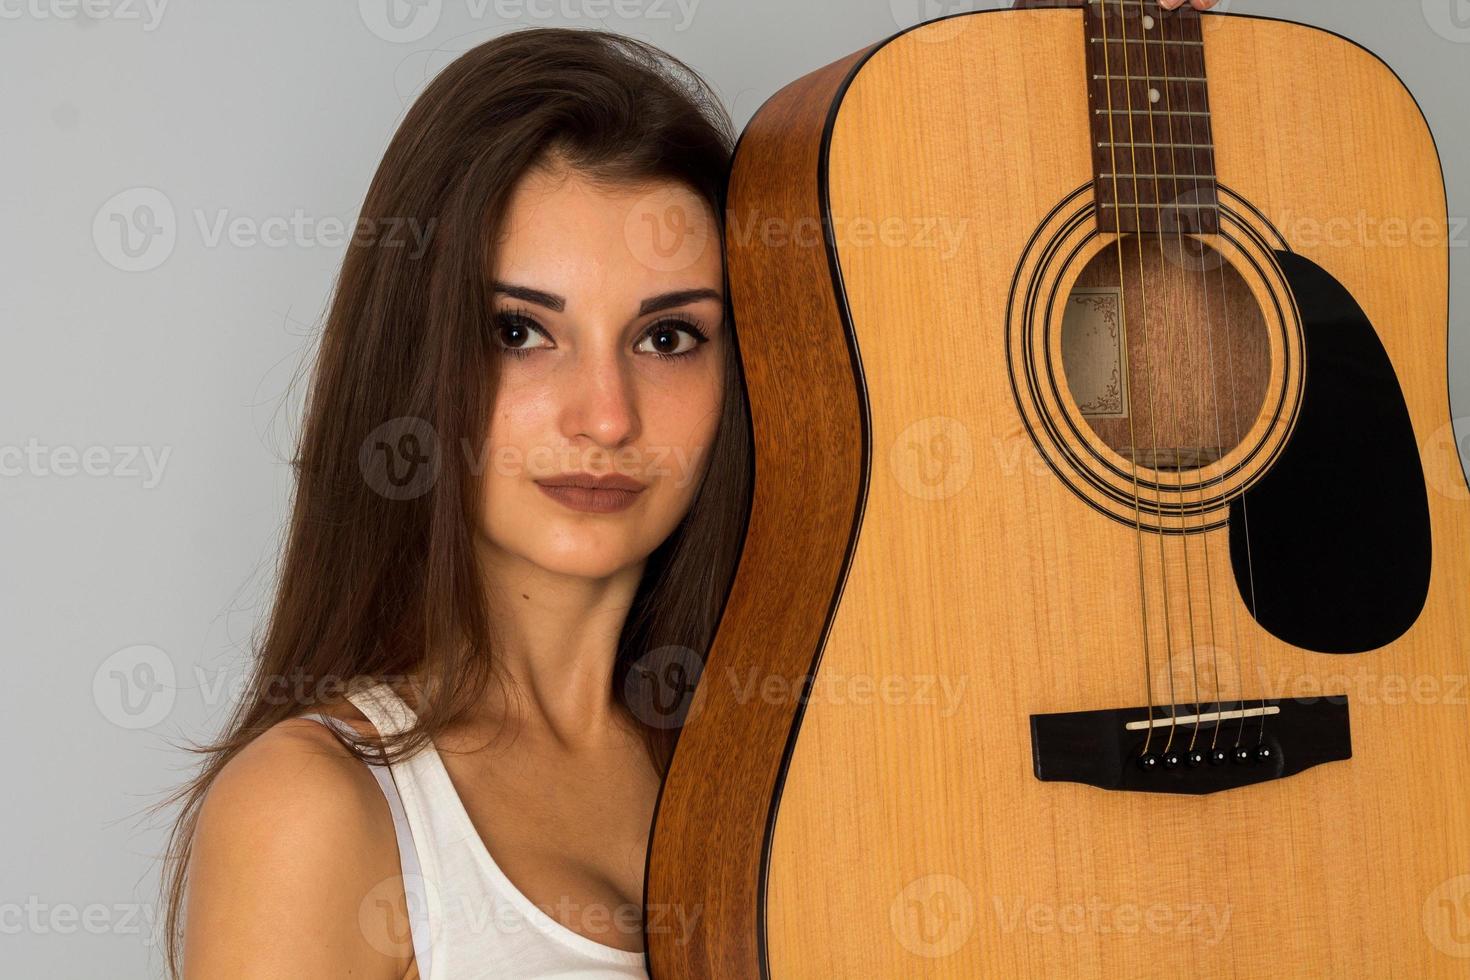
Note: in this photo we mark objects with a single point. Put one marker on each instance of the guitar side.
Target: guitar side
(907, 535)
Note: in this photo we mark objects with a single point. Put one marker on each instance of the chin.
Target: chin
(565, 551)
(583, 564)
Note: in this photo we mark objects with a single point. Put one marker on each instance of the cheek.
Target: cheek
(521, 408)
(681, 426)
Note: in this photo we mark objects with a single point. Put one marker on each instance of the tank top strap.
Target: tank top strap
(383, 707)
(378, 705)
(424, 770)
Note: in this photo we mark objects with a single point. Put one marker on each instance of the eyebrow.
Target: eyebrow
(549, 300)
(666, 301)
(653, 304)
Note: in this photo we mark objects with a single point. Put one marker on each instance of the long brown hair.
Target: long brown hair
(380, 581)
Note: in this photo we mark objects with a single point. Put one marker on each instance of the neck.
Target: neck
(1153, 148)
(554, 639)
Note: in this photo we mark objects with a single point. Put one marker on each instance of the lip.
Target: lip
(601, 494)
(595, 481)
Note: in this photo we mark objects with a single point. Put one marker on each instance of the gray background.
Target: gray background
(128, 594)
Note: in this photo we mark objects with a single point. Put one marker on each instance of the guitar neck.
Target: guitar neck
(1153, 149)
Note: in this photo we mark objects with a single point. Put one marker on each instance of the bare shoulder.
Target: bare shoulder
(294, 863)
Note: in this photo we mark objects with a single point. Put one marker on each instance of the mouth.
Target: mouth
(591, 499)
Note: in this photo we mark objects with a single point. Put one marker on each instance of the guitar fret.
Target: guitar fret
(1149, 206)
(1176, 146)
(1147, 112)
(1159, 176)
(1147, 61)
(1145, 78)
(1146, 41)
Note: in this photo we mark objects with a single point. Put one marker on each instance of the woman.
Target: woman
(496, 625)
(451, 601)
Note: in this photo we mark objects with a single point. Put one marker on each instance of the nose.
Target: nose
(599, 399)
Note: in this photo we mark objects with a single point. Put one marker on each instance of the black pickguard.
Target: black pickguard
(1339, 548)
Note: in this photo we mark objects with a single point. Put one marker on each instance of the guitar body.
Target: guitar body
(907, 755)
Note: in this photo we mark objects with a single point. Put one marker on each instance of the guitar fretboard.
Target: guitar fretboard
(1153, 149)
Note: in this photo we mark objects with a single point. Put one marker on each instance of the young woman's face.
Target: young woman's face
(608, 310)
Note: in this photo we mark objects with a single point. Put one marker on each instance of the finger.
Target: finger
(1204, 4)
(1170, 4)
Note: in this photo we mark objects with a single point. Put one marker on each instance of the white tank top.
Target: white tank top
(467, 920)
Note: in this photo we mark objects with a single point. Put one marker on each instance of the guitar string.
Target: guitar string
(1175, 402)
(1153, 410)
(1133, 448)
(1244, 504)
(1168, 79)
(1123, 324)
(1214, 390)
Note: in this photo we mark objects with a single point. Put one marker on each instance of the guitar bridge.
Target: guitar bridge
(1193, 748)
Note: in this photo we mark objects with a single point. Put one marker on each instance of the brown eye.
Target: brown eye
(666, 339)
(514, 331)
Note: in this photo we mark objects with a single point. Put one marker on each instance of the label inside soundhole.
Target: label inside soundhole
(1165, 351)
(1092, 350)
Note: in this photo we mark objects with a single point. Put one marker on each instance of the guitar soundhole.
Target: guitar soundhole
(1165, 351)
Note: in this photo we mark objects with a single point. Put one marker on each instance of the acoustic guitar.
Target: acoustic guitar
(1105, 598)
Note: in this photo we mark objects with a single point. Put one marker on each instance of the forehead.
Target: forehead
(566, 233)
